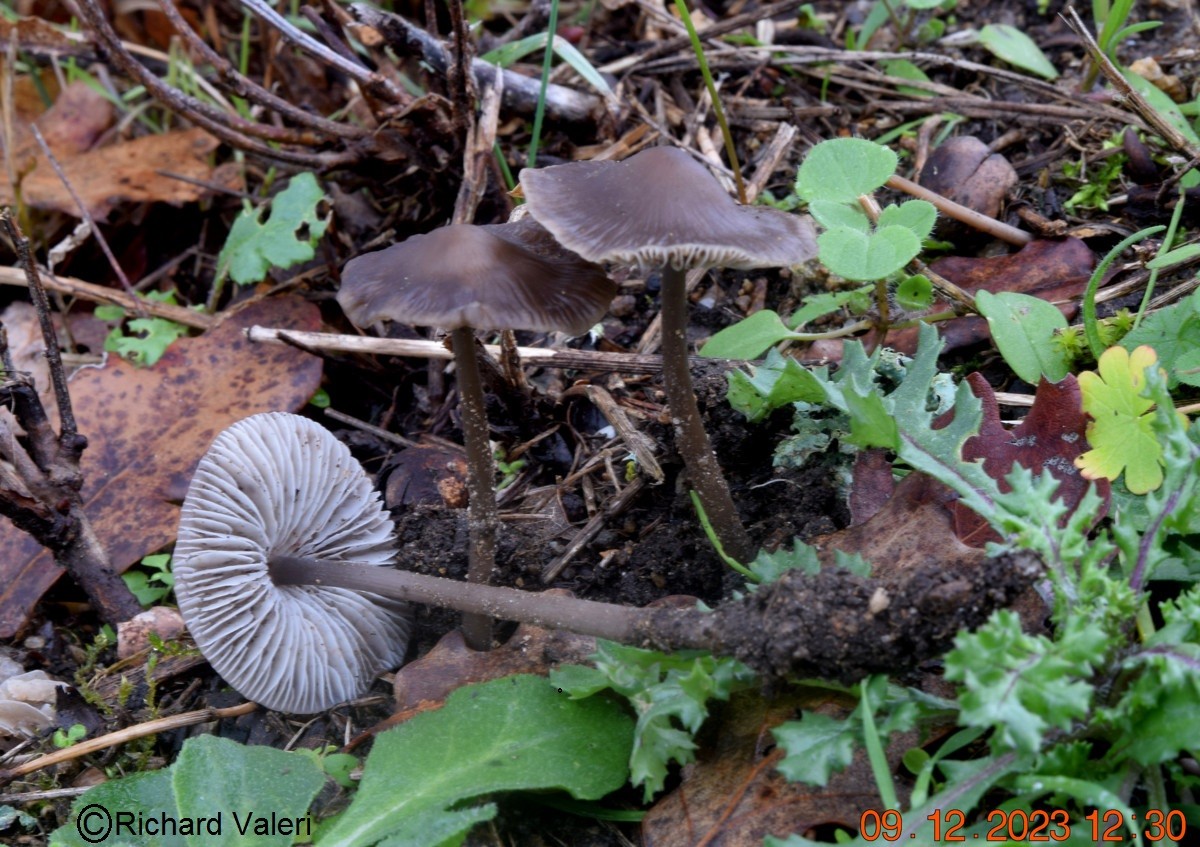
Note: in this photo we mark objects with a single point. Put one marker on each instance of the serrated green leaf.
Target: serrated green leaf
(748, 338)
(842, 169)
(830, 214)
(1187, 367)
(861, 257)
(778, 382)
(916, 292)
(1172, 331)
(1009, 44)
(918, 216)
(1023, 329)
(1121, 432)
(516, 733)
(817, 747)
(1021, 685)
(287, 237)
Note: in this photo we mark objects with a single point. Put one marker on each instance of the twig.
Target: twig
(124, 736)
(520, 92)
(592, 528)
(1126, 92)
(230, 128)
(250, 90)
(373, 82)
(630, 363)
(102, 294)
(959, 212)
(83, 211)
(40, 488)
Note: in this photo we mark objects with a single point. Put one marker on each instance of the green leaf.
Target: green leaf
(843, 169)
(1174, 257)
(748, 338)
(1163, 104)
(919, 216)
(916, 292)
(1022, 685)
(778, 382)
(670, 694)
(830, 214)
(1187, 367)
(861, 257)
(516, 733)
(288, 237)
(1023, 328)
(219, 792)
(1173, 332)
(1121, 431)
(1009, 44)
(508, 54)
(816, 746)
(819, 305)
(905, 69)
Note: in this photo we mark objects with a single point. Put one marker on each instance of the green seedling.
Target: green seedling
(1112, 28)
(152, 580)
(859, 243)
(1121, 431)
(508, 470)
(287, 237)
(68, 737)
(903, 15)
(1102, 183)
(142, 341)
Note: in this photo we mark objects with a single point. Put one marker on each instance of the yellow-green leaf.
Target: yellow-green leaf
(1121, 432)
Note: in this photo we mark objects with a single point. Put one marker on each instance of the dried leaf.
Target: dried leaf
(127, 172)
(147, 428)
(732, 796)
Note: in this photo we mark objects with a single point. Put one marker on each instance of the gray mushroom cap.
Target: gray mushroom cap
(279, 484)
(506, 276)
(661, 207)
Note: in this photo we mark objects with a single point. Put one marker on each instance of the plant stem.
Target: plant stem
(481, 471)
(554, 611)
(689, 429)
(539, 111)
(1091, 330)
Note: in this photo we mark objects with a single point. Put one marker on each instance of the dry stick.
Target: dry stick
(250, 90)
(1127, 93)
(86, 214)
(101, 294)
(520, 92)
(959, 212)
(124, 736)
(50, 507)
(629, 363)
(592, 528)
(373, 82)
(232, 129)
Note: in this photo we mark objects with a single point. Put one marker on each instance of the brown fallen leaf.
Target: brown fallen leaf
(1049, 438)
(732, 796)
(126, 172)
(965, 170)
(147, 428)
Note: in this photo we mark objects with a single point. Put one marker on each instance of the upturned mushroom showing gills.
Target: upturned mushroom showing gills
(278, 485)
(462, 278)
(661, 208)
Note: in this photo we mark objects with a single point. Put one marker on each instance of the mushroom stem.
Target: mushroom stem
(689, 428)
(481, 474)
(555, 611)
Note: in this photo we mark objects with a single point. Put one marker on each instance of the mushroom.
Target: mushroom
(277, 485)
(662, 208)
(462, 277)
